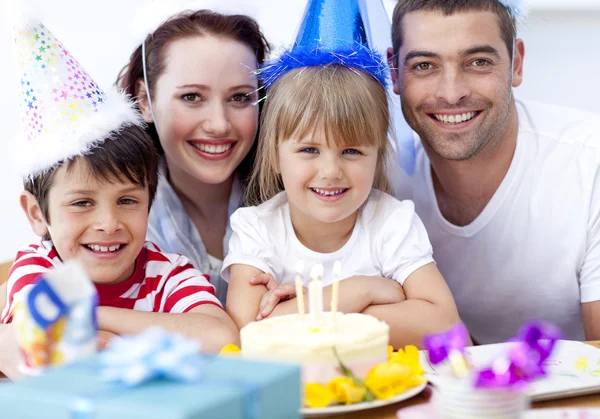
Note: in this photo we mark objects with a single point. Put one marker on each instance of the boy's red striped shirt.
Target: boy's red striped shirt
(161, 282)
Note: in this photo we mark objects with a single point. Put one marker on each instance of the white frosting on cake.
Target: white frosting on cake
(360, 340)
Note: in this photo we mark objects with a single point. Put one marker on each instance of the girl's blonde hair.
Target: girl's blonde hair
(349, 105)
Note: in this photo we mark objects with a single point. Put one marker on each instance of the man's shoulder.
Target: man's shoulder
(558, 123)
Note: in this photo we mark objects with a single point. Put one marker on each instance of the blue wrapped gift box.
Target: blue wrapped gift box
(230, 388)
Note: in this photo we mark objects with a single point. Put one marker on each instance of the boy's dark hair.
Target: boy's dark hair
(508, 25)
(128, 154)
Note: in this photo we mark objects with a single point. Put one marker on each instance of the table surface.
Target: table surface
(389, 412)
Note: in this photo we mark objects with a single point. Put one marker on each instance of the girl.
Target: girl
(200, 102)
(321, 188)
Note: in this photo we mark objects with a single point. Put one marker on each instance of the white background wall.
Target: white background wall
(562, 64)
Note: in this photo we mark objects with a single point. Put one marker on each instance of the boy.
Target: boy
(88, 189)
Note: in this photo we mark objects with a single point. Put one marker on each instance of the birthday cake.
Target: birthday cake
(360, 341)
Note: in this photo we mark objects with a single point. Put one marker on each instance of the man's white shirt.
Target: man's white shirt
(534, 251)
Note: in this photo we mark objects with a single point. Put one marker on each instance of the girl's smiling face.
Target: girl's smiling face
(326, 182)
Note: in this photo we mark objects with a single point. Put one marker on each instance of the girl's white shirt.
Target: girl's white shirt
(388, 240)
(171, 228)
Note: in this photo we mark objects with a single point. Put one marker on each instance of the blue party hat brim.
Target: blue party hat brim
(360, 58)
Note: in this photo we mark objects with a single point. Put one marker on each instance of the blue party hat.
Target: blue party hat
(332, 24)
(515, 7)
(332, 32)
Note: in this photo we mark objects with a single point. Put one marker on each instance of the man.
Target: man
(507, 190)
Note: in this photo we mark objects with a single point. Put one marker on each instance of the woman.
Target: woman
(200, 98)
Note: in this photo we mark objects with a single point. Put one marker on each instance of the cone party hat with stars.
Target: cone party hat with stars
(65, 114)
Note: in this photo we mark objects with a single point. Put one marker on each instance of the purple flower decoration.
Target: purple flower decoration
(442, 345)
(524, 361)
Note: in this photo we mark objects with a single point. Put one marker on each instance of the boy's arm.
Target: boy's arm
(9, 355)
(2, 296)
(429, 308)
(207, 323)
(187, 305)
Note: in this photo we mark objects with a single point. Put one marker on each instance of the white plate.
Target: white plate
(337, 409)
(563, 413)
(564, 378)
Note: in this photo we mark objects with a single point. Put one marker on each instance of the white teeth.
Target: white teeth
(455, 119)
(98, 248)
(328, 193)
(213, 149)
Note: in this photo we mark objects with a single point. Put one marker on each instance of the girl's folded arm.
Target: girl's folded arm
(355, 294)
(243, 298)
(429, 308)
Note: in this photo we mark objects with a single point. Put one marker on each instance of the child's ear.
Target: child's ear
(33, 212)
(143, 102)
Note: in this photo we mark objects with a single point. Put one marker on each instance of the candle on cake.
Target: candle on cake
(299, 289)
(335, 287)
(315, 295)
(319, 275)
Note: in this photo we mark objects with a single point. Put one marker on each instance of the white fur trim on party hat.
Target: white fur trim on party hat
(156, 12)
(64, 112)
(47, 149)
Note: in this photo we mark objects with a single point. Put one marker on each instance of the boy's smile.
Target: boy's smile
(100, 224)
(106, 250)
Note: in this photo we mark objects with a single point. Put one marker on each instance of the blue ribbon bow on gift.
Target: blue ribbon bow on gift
(153, 354)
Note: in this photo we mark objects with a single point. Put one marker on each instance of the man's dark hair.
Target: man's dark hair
(508, 25)
(127, 155)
